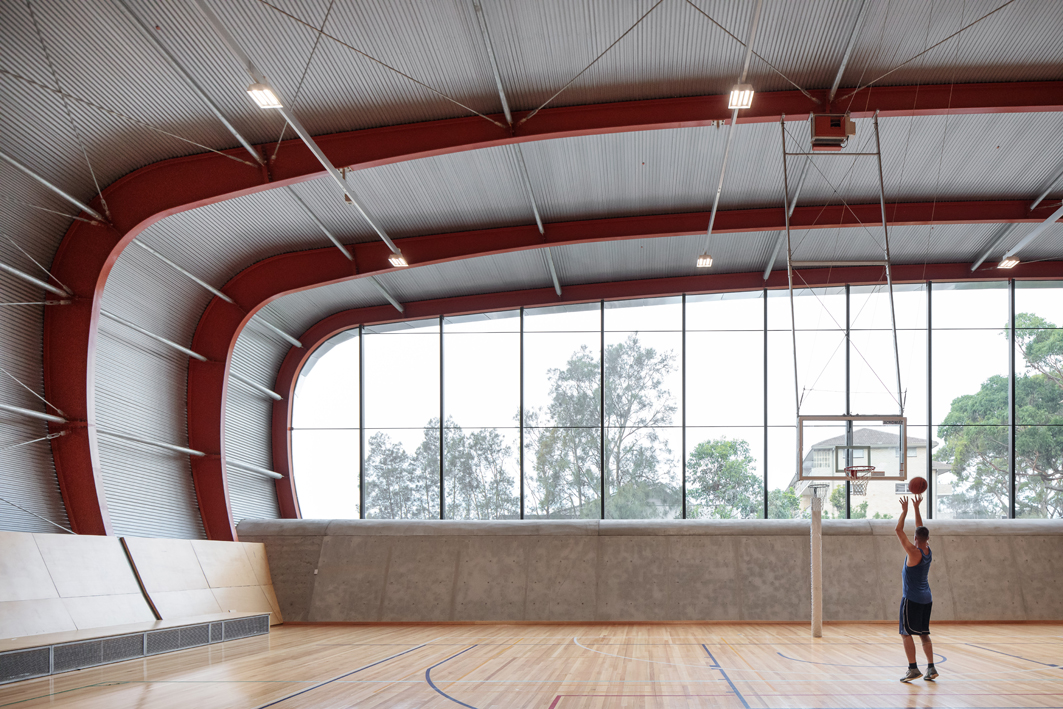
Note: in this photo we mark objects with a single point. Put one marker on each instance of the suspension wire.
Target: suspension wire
(306, 69)
(38, 265)
(51, 211)
(770, 65)
(604, 52)
(118, 114)
(20, 382)
(387, 66)
(911, 59)
(43, 519)
(41, 302)
(49, 437)
(66, 107)
(941, 153)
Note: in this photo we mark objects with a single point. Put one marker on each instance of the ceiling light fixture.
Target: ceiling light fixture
(741, 96)
(1010, 262)
(398, 260)
(704, 261)
(264, 96)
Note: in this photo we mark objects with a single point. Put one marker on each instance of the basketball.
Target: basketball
(917, 486)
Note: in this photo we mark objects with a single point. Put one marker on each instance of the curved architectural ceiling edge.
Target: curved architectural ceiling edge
(255, 287)
(89, 250)
(328, 327)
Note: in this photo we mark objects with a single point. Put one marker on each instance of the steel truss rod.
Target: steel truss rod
(149, 442)
(213, 290)
(538, 218)
(320, 224)
(486, 35)
(860, 14)
(734, 120)
(790, 274)
(260, 78)
(790, 212)
(152, 335)
(153, 37)
(182, 271)
(889, 274)
(30, 413)
(43, 519)
(553, 271)
(34, 281)
(1007, 230)
(254, 469)
(277, 331)
(256, 386)
(838, 153)
(827, 264)
(384, 292)
(1037, 230)
(65, 195)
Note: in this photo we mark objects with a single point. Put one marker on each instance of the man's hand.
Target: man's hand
(917, 499)
(904, 505)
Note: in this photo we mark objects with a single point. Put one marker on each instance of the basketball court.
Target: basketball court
(773, 666)
(551, 354)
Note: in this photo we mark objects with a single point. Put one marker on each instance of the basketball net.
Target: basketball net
(858, 476)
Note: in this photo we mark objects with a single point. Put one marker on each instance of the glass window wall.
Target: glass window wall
(512, 415)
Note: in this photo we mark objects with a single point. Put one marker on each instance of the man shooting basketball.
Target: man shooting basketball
(917, 601)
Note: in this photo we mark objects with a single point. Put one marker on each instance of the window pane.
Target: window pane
(326, 393)
(482, 473)
(873, 378)
(643, 473)
(585, 317)
(481, 370)
(402, 473)
(726, 311)
(725, 375)
(562, 477)
(869, 307)
(970, 305)
(784, 501)
(1039, 471)
(975, 484)
(725, 477)
(821, 374)
(644, 315)
(402, 375)
(326, 473)
(814, 309)
(970, 377)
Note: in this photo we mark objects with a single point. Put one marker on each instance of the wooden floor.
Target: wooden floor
(575, 667)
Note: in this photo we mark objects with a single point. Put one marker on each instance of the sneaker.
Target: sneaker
(911, 675)
(931, 674)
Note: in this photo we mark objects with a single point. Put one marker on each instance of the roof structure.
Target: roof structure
(137, 110)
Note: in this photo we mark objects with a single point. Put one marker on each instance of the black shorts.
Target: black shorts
(915, 617)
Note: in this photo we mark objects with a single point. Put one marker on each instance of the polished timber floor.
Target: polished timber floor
(576, 666)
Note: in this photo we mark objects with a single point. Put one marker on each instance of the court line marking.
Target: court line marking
(63, 691)
(1010, 655)
(722, 672)
(335, 679)
(428, 678)
(835, 664)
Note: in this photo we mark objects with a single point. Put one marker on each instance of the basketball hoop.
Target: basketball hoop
(858, 476)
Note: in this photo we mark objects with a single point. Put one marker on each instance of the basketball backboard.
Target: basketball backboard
(826, 445)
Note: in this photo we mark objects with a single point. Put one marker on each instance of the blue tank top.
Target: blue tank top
(914, 579)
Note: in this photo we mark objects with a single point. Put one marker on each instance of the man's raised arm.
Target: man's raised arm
(918, 517)
(905, 542)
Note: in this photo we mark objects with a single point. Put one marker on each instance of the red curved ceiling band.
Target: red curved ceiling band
(88, 252)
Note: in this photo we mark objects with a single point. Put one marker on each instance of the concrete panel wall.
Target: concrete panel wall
(365, 571)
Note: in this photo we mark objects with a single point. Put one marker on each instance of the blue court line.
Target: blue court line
(1018, 657)
(428, 678)
(336, 679)
(835, 664)
(716, 665)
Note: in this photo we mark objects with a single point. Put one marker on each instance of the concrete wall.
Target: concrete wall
(358, 571)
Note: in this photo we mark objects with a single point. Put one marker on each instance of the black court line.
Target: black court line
(428, 678)
(1018, 657)
(835, 664)
(716, 665)
(336, 679)
(64, 691)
